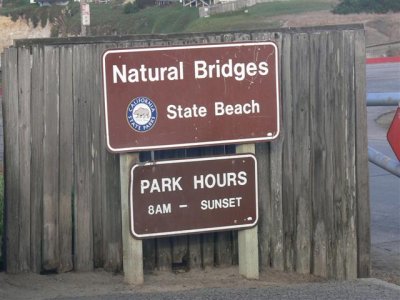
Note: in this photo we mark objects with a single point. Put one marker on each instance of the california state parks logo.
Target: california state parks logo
(141, 114)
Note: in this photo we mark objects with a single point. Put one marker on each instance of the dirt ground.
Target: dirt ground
(379, 28)
(33, 286)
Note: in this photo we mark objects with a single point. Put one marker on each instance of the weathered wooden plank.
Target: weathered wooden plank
(330, 123)
(344, 158)
(66, 159)
(164, 254)
(132, 248)
(110, 197)
(94, 83)
(51, 160)
(83, 225)
(269, 157)
(195, 259)
(207, 250)
(349, 218)
(180, 253)
(149, 255)
(276, 213)
(37, 132)
(24, 140)
(362, 173)
(288, 207)
(111, 222)
(264, 205)
(301, 174)
(265, 225)
(338, 156)
(11, 154)
(318, 114)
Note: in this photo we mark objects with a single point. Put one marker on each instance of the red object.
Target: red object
(382, 60)
(393, 135)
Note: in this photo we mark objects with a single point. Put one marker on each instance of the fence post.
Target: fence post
(248, 238)
(132, 251)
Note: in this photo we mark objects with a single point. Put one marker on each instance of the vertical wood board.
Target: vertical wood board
(83, 225)
(51, 159)
(66, 160)
(24, 141)
(36, 171)
(11, 153)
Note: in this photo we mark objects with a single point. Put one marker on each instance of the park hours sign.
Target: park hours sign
(203, 95)
(193, 195)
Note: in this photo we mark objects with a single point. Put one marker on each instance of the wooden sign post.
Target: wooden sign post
(248, 238)
(132, 249)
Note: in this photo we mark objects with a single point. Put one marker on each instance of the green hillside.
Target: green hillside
(111, 19)
(176, 18)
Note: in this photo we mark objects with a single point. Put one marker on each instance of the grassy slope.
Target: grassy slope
(109, 19)
(257, 16)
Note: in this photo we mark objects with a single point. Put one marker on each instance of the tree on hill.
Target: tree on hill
(367, 6)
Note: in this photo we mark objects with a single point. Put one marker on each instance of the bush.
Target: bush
(130, 8)
(145, 3)
(367, 6)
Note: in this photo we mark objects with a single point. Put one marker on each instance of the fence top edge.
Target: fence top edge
(167, 37)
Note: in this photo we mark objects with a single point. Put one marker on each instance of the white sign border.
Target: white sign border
(199, 230)
(193, 144)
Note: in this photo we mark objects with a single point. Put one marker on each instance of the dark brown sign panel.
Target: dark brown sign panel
(172, 97)
(193, 195)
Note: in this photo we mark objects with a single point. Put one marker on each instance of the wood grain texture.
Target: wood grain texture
(362, 172)
(264, 204)
(95, 96)
(83, 225)
(24, 141)
(319, 148)
(66, 159)
(37, 133)
(276, 170)
(110, 189)
(51, 160)
(288, 206)
(11, 154)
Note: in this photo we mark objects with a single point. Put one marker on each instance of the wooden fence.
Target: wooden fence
(62, 187)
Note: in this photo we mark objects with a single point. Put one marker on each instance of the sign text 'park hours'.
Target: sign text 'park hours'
(193, 195)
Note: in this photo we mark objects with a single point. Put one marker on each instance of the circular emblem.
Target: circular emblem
(141, 114)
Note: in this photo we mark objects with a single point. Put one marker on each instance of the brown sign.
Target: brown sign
(193, 195)
(172, 97)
